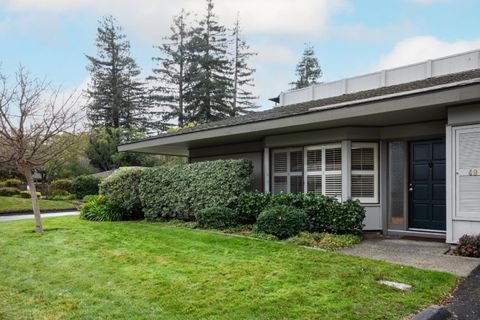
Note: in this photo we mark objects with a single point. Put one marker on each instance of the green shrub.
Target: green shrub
(468, 246)
(250, 204)
(121, 191)
(289, 199)
(351, 218)
(63, 197)
(26, 194)
(282, 221)
(216, 218)
(98, 210)
(85, 185)
(321, 211)
(9, 191)
(326, 241)
(181, 191)
(60, 187)
(90, 197)
(12, 183)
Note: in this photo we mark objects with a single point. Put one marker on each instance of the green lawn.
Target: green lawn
(9, 204)
(137, 270)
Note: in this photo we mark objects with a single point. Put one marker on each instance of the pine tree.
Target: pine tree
(172, 75)
(210, 96)
(243, 100)
(117, 96)
(308, 69)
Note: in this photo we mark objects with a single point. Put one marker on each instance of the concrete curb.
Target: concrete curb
(28, 211)
(433, 313)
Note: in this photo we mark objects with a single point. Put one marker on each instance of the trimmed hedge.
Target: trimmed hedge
(27, 194)
(85, 185)
(61, 187)
(216, 218)
(9, 191)
(121, 191)
(282, 221)
(325, 214)
(180, 191)
(12, 183)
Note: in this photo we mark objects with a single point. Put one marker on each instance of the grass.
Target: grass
(11, 204)
(81, 269)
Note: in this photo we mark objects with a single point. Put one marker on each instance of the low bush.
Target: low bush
(351, 218)
(178, 192)
(63, 197)
(216, 218)
(85, 185)
(57, 193)
(59, 186)
(282, 221)
(26, 194)
(326, 241)
(12, 183)
(9, 191)
(98, 210)
(90, 197)
(249, 205)
(468, 246)
(121, 192)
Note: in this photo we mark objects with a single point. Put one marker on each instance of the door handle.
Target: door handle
(410, 187)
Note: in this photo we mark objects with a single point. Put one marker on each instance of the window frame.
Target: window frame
(322, 173)
(374, 172)
(288, 173)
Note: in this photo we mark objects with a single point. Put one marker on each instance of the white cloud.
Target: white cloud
(364, 33)
(421, 48)
(151, 18)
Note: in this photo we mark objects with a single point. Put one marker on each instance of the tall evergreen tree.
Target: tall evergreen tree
(308, 69)
(210, 97)
(172, 75)
(243, 99)
(117, 96)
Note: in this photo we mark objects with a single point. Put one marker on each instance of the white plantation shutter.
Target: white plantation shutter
(323, 170)
(364, 165)
(467, 167)
(287, 171)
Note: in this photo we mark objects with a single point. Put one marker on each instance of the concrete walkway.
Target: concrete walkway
(44, 215)
(420, 254)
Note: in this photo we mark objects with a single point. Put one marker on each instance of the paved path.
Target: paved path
(420, 254)
(465, 303)
(44, 215)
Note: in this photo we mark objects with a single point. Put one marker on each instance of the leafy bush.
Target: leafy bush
(85, 185)
(121, 191)
(63, 198)
(9, 191)
(216, 218)
(90, 197)
(468, 246)
(98, 210)
(57, 193)
(26, 194)
(250, 204)
(282, 221)
(61, 185)
(12, 183)
(351, 218)
(321, 211)
(181, 191)
(326, 241)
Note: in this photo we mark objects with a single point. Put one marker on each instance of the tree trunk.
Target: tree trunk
(35, 204)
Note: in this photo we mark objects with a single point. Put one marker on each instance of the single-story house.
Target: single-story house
(403, 141)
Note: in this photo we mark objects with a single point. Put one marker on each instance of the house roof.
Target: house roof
(314, 106)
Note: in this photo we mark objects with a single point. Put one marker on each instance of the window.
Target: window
(323, 170)
(287, 171)
(365, 172)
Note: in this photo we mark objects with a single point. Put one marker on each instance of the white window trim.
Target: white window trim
(288, 173)
(375, 198)
(323, 173)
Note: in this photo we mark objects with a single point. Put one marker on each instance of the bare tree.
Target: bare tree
(32, 114)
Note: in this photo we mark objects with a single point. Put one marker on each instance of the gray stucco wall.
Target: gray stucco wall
(255, 157)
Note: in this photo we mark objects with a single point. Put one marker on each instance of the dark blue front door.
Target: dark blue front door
(427, 187)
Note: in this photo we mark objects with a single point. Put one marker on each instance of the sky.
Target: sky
(51, 37)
